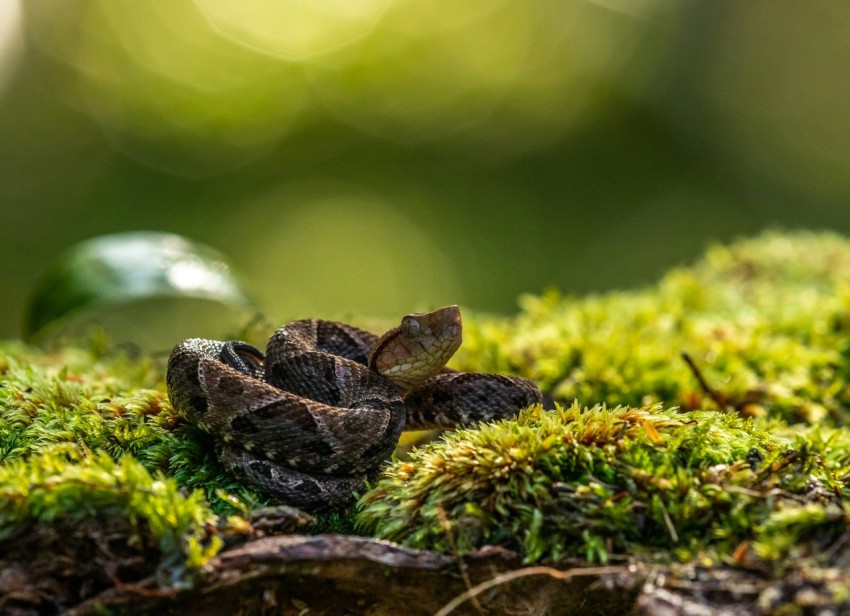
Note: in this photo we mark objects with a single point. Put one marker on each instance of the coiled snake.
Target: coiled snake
(313, 419)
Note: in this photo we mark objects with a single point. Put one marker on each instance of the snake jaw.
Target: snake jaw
(419, 348)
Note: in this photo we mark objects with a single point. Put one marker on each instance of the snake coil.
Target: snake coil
(309, 422)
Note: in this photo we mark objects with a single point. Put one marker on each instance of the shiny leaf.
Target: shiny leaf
(143, 287)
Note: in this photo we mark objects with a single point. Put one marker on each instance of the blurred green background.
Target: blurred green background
(378, 156)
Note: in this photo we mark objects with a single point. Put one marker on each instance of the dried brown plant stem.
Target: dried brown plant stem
(708, 389)
(447, 527)
(504, 578)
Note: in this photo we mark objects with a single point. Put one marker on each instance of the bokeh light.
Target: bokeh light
(376, 157)
(503, 76)
(11, 38)
(767, 92)
(338, 248)
(165, 88)
(201, 86)
(293, 30)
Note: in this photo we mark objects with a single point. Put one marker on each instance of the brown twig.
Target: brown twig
(708, 389)
(668, 521)
(504, 578)
(447, 527)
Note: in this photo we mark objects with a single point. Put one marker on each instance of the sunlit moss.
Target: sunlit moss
(579, 482)
(70, 482)
(102, 402)
(766, 321)
(601, 483)
(84, 434)
(622, 472)
(800, 530)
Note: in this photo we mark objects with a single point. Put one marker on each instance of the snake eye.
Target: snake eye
(410, 327)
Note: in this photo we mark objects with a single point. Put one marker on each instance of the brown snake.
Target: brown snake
(312, 420)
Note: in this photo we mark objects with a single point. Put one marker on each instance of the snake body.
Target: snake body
(312, 419)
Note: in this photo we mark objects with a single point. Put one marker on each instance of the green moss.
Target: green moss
(575, 482)
(766, 321)
(83, 433)
(104, 402)
(68, 482)
(598, 482)
(69, 397)
(800, 530)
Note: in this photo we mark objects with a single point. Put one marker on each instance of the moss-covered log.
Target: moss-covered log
(718, 482)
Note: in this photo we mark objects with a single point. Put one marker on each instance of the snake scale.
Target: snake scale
(312, 419)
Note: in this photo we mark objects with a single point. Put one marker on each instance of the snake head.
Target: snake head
(418, 348)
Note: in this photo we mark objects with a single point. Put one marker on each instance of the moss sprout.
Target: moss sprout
(572, 482)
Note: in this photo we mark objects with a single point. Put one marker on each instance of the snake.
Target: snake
(310, 421)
